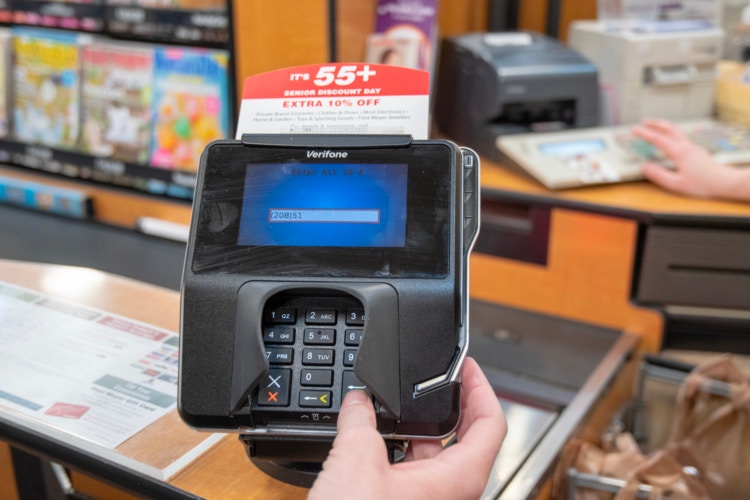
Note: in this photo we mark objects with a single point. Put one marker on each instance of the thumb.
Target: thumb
(356, 412)
(661, 176)
(357, 430)
(358, 451)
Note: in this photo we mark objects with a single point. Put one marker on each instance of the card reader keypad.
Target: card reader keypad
(311, 345)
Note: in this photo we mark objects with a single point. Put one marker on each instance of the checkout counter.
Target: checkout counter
(572, 287)
(609, 262)
(561, 308)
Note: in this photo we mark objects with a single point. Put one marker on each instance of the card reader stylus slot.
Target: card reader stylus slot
(318, 141)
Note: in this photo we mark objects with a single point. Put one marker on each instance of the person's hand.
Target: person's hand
(358, 467)
(696, 173)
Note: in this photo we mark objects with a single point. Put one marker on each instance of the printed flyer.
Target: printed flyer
(87, 372)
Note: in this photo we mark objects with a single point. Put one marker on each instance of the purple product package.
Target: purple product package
(411, 20)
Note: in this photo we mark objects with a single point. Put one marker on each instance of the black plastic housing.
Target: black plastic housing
(415, 297)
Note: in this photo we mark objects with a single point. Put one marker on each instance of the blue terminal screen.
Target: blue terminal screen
(324, 205)
(569, 148)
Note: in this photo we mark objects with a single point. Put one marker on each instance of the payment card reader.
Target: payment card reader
(316, 265)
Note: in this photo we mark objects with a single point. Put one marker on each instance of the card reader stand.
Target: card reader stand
(275, 453)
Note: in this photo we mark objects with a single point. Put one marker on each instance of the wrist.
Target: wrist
(731, 183)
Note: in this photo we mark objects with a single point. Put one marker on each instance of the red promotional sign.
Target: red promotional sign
(337, 98)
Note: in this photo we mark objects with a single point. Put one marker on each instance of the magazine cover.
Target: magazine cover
(382, 49)
(117, 97)
(414, 20)
(191, 104)
(5, 65)
(46, 86)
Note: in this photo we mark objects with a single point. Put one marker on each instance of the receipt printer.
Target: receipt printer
(317, 265)
(492, 84)
(652, 70)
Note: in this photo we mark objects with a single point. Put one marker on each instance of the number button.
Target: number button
(320, 336)
(280, 335)
(317, 377)
(353, 337)
(320, 317)
(279, 355)
(281, 315)
(349, 356)
(321, 357)
(355, 317)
